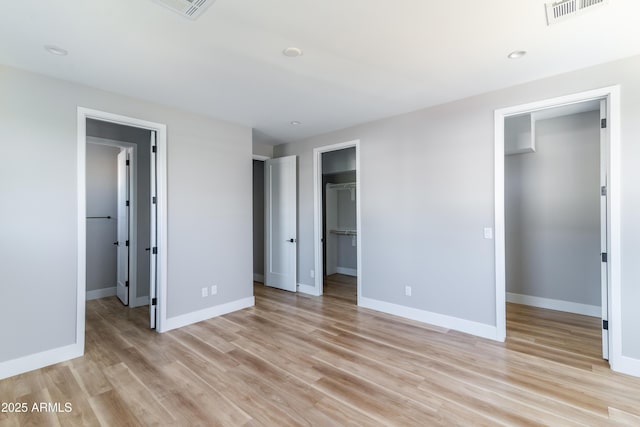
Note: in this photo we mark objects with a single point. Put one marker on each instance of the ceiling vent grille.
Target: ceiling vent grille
(561, 10)
(191, 9)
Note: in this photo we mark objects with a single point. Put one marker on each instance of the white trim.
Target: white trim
(207, 313)
(261, 158)
(161, 133)
(133, 220)
(627, 365)
(347, 271)
(40, 360)
(317, 212)
(467, 326)
(258, 277)
(307, 289)
(612, 94)
(81, 276)
(139, 301)
(101, 293)
(555, 304)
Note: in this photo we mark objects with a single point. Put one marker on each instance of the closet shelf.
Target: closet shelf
(343, 186)
(344, 232)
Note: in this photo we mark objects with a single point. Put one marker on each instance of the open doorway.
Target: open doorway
(578, 202)
(122, 214)
(258, 219)
(337, 221)
(118, 212)
(555, 219)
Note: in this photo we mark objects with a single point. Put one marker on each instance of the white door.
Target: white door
(280, 223)
(122, 287)
(153, 273)
(604, 270)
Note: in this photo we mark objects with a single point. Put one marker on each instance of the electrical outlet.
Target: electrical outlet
(214, 289)
(205, 292)
(407, 291)
(488, 233)
(312, 273)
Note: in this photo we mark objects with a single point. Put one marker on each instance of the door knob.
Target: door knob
(115, 243)
(291, 240)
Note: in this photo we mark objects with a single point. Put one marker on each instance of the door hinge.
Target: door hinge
(153, 149)
(605, 325)
(154, 250)
(126, 284)
(604, 256)
(603, 123)
(127, 203)
(127, 163)
(127, 243)
(153, 200)
(154, 301)
(603, 190)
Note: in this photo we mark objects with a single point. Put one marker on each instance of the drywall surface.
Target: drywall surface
(209, 208)
(258, 217)
(552, 212)
(102, 192)
(425, 227)
(260, 149)
(339, 161)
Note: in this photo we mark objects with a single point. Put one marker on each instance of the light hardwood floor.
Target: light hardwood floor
(299, 360)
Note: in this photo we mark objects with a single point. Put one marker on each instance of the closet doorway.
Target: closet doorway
(337, 221)
(601, 239)
(128, 193)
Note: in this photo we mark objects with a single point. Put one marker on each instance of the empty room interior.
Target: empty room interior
(234, 213)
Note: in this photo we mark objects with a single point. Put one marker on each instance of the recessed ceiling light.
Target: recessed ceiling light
(55, 50)
(292, 52)
(295, 123)
(517, 54)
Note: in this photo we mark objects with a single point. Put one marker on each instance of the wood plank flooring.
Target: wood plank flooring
(322, 361)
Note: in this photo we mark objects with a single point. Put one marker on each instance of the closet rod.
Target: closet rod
(99, 217)
(344, 232)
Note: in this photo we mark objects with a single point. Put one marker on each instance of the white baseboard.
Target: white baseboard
(139, 302)
(39, 360)
(467, 326)
(307, 289)
(555, 304)
(101, 293)
(207, 313)
(258, 277)
(347, 271)
(627, 365)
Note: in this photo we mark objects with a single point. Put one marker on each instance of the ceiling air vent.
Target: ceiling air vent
(188, 8)
(561, 10)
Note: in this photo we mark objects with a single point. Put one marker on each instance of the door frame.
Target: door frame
(133, 213)
(318, 215)
(161, 131)
(612, 95)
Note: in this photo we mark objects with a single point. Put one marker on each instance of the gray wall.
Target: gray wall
(258, 217)
(424, 227)
(339, 161)
(552, 205)
(209, 207)
(102, 192)
(140, 137)
(262, 149)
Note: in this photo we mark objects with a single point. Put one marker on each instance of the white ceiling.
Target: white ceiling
(363, 59)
